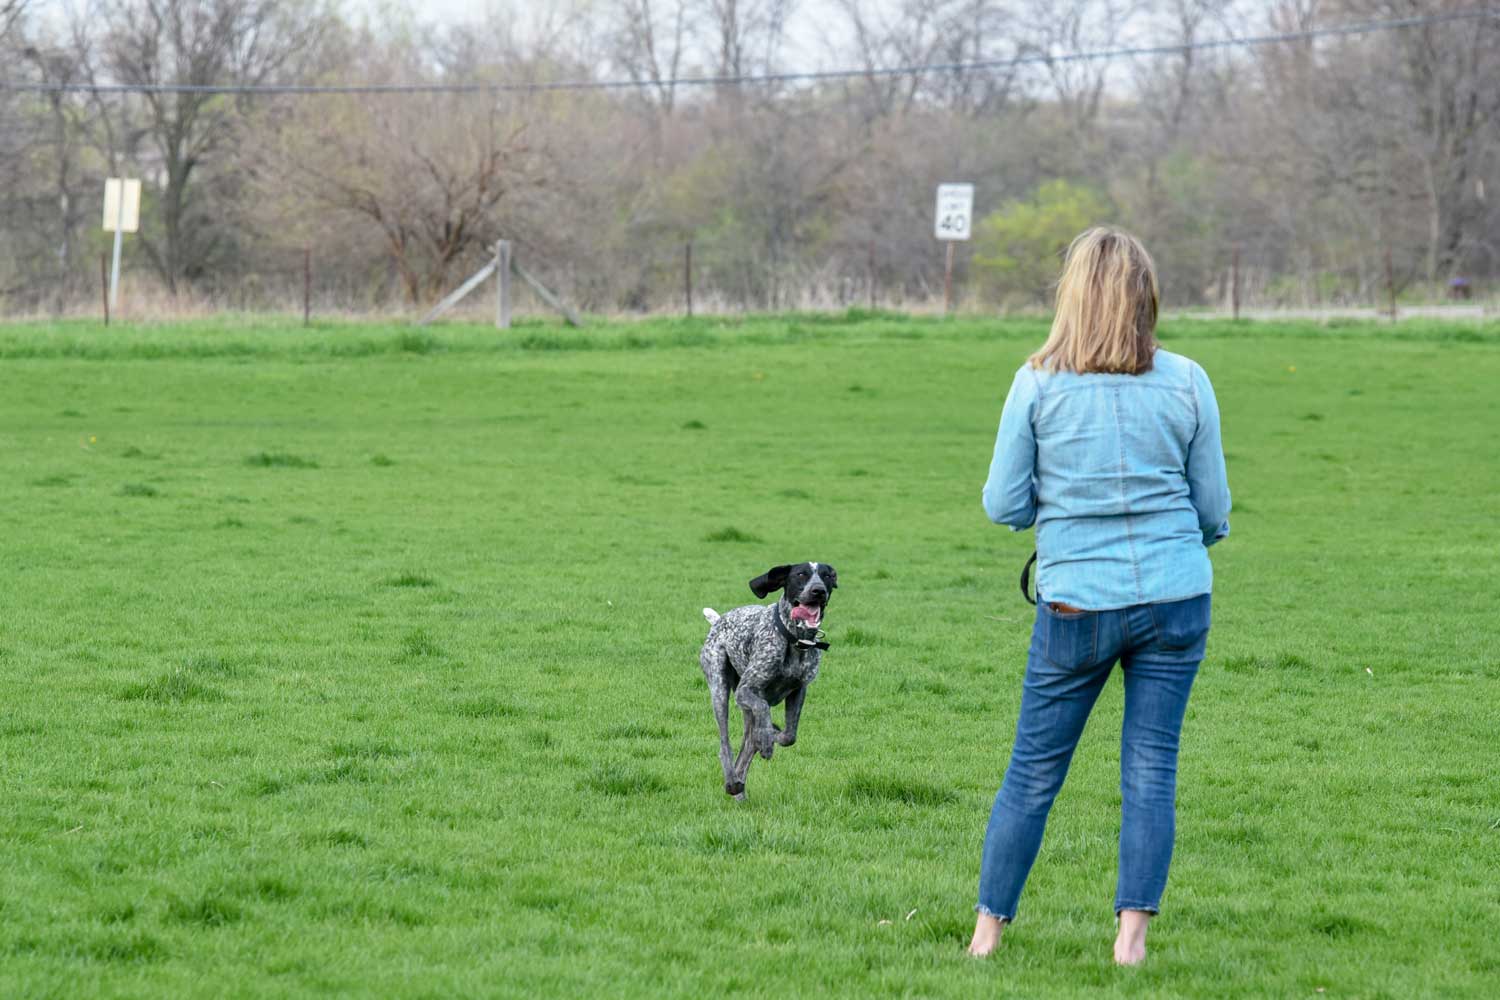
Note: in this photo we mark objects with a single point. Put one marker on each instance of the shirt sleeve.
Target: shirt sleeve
(1010, 491)
(1208, 482)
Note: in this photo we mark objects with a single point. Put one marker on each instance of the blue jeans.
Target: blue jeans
(1158, 647)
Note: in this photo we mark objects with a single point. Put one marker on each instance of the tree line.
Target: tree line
(1311, 171)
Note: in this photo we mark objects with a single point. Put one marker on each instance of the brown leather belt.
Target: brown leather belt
(1066, 609)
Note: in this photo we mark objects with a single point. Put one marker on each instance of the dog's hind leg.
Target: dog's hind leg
(793, 715)
(721, 681)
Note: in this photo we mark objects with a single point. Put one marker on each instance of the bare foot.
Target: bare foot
(986, 935)
(1130, 943)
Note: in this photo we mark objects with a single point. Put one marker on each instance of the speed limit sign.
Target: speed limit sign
(955, 209)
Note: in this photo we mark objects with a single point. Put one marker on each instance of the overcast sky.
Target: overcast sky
(818, 35)
(807, 46)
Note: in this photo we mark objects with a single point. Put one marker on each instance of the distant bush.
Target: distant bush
(1018, 250)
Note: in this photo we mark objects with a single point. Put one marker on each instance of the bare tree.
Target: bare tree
(429, 179)
(10, 15)
(745, 38)
(432, 174)
(66, 133)
(43, 196)
(1059, 28)
(1446, 116)
(650, 42)
(1180, 99)
(924, 32)
(198, 42)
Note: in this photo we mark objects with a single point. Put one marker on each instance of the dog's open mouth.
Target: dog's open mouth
(807, 615)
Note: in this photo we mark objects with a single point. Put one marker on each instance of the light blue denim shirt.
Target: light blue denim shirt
(1123, 476)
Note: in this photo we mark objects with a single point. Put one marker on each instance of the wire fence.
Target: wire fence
(298, 282)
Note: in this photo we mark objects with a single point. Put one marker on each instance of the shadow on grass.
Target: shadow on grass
(636, 731)
(418, 645)
(890, 788)
(212, 909)
(1257, 664)
(622, 780)
(486, 708)
(173, 686)
(730, 534)
(130, 949)
(411, 580)
(279, 460)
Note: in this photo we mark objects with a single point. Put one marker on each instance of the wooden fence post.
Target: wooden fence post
(502, 284)
(1234, 283)
(307, 286)
(1390, 282)
(687, 275)
(104, 284)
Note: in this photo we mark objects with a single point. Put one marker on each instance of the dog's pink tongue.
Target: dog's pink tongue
(805, 613)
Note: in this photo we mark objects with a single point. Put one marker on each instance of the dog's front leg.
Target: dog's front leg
(759, 735)
(751, 742)
(788, 736)
(734, 780)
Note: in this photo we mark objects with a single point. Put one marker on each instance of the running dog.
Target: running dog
(764, 655)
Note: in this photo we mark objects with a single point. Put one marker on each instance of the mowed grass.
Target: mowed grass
(360, 661)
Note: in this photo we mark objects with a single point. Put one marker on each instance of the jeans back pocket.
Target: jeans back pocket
(1069, 639)
(1182, 625)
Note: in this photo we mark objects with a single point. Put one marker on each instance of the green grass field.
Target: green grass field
(361, 661)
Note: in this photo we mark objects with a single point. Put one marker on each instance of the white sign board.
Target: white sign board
(955, 210)
(122, 204)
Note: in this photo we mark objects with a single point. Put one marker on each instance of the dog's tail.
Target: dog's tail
(711, 615)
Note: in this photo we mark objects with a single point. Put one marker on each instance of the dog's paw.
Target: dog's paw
(785, 739)
(735, 788)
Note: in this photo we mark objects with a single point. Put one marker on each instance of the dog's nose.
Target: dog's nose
(818, 594)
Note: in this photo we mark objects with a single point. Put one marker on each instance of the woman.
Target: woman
(1110, 446)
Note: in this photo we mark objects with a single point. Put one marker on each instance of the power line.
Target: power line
(922, 69)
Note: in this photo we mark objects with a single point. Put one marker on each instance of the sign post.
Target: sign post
(955, 211)
(122, 214)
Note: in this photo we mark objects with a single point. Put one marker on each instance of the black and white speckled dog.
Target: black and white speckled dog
(764, 655)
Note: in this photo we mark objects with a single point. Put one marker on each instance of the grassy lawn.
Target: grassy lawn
(360, 661)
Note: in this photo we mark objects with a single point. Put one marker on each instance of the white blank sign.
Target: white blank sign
(955, 208)
(126, 214)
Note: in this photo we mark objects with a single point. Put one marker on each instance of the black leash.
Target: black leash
(1026, 578)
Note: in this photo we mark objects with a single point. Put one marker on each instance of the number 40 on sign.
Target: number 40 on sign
(955, 207)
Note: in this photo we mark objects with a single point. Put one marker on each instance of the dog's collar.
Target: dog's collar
(813, 641)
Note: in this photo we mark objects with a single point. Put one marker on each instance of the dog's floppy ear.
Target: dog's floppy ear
(830, 574)
(773, 579)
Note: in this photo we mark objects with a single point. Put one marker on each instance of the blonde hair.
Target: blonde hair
(1106, 307)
